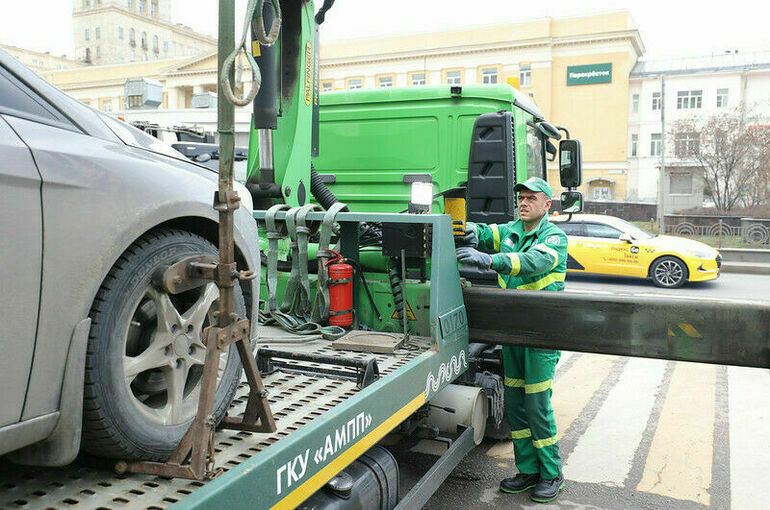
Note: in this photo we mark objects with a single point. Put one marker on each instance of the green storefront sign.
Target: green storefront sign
(589, 74)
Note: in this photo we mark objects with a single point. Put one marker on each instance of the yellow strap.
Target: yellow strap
(550, 251)
(515, 263)
(521, 434)
(501, 282)
(544, 282)
(538, 387)
(542, 443)
(495, 236)
(514, 383)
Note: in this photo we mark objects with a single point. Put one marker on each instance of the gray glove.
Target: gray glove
(469, 238)
(472, 257)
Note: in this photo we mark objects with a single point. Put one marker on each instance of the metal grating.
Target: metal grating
(90, 483)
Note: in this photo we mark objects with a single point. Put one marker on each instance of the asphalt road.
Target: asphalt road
(727, 286)
(635, 433)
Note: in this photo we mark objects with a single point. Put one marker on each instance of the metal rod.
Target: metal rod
(403, 291)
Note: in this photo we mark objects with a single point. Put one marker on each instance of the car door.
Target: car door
(610, 254)
(577, 261)
(21, 245)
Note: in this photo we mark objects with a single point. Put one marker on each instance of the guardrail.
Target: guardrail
(745, 255)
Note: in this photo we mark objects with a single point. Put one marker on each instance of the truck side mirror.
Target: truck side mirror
(570, 163)
(571, 202)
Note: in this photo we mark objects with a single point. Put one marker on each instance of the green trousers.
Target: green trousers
(528, 387)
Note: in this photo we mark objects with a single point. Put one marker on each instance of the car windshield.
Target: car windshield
(636, 232)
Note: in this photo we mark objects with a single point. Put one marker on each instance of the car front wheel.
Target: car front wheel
(669, 273)
(145, 353)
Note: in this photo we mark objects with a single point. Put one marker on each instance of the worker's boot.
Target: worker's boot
(519, 483)
(547, 489)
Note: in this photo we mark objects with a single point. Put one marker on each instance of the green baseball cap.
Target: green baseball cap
(535, 184)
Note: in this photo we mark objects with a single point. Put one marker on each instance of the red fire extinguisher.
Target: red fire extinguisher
(340, 293)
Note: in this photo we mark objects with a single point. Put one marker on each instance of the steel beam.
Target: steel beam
(676, 328)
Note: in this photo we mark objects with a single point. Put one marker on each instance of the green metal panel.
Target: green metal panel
(371, 139)
(286, 473)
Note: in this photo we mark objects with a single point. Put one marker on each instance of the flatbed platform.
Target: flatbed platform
(296, 401)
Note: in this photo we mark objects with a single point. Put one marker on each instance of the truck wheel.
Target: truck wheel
(669, 272)
(145, 353)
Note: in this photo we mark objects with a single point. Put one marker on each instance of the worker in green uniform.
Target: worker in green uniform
(529, 253)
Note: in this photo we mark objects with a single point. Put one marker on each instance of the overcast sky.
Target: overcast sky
(667, 27)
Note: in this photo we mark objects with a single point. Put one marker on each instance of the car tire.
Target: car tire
(669, 272)
(145, 353)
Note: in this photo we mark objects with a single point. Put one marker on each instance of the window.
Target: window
(454, 77)
(88, 54)
(155, 46)
(135, 101)
(98, 52)
(602, 231)
(87, 3)
(722, 98)
(656, 101)
(98, 33)
(107, 105)
(689, 99)
(417, 79)
(635, 103)
(120, 32)
(681, 183)
(16, 99)
(144, 40)
(634, 144)
(132, 37)
(686, 144)
(355, 83)
(327, 86)
(133, 55)
(165, 46)
(535, 159)
(525, 76)
(655, 144)
(571, 228)
(141, 6)
(154, 8)
(489, 75)
(601, 193)
(385, 81)
(88, 35)
(130, 4)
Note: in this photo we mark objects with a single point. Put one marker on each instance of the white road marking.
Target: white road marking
(749, 403)
(605, 452)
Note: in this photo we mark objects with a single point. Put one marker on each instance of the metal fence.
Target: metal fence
(757, 233)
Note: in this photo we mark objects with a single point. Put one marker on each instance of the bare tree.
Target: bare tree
(733, 149)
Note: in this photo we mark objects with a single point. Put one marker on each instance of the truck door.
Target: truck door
(21, 245)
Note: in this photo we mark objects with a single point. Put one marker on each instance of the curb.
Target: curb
(745, 268)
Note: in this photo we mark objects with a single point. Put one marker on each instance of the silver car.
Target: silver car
(91, 211)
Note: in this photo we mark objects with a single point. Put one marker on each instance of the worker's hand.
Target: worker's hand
(469, 238)
(472, 257)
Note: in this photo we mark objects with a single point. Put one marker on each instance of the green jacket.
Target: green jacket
(535, 260)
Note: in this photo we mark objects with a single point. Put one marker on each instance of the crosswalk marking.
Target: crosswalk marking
(680, 457)
(749, 401)
(573, 389)
(605, 452)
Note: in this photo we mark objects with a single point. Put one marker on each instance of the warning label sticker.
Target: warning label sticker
(409, 313)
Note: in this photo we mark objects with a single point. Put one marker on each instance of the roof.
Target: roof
(723, 62)
(501, 92)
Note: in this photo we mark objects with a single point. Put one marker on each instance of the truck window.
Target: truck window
(535, 157)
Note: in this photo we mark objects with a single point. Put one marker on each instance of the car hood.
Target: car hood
(680, 243)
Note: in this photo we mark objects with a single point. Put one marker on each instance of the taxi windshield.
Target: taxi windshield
(636, 232)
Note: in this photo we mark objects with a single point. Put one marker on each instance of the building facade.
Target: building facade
(40, 61)
(695, 87)
(576, 69)
(124, 31)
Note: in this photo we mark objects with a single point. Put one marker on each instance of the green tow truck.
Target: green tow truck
(418, 357)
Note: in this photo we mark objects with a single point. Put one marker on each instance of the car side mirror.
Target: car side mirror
(571, 202)
(570, 163)
(625, 236)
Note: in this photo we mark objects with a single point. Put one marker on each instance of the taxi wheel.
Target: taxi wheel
(669, 272)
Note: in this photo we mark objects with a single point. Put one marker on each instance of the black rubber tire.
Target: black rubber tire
(113, 426)
(669, 260)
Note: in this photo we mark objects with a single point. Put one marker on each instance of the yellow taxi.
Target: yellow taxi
(601, 244)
